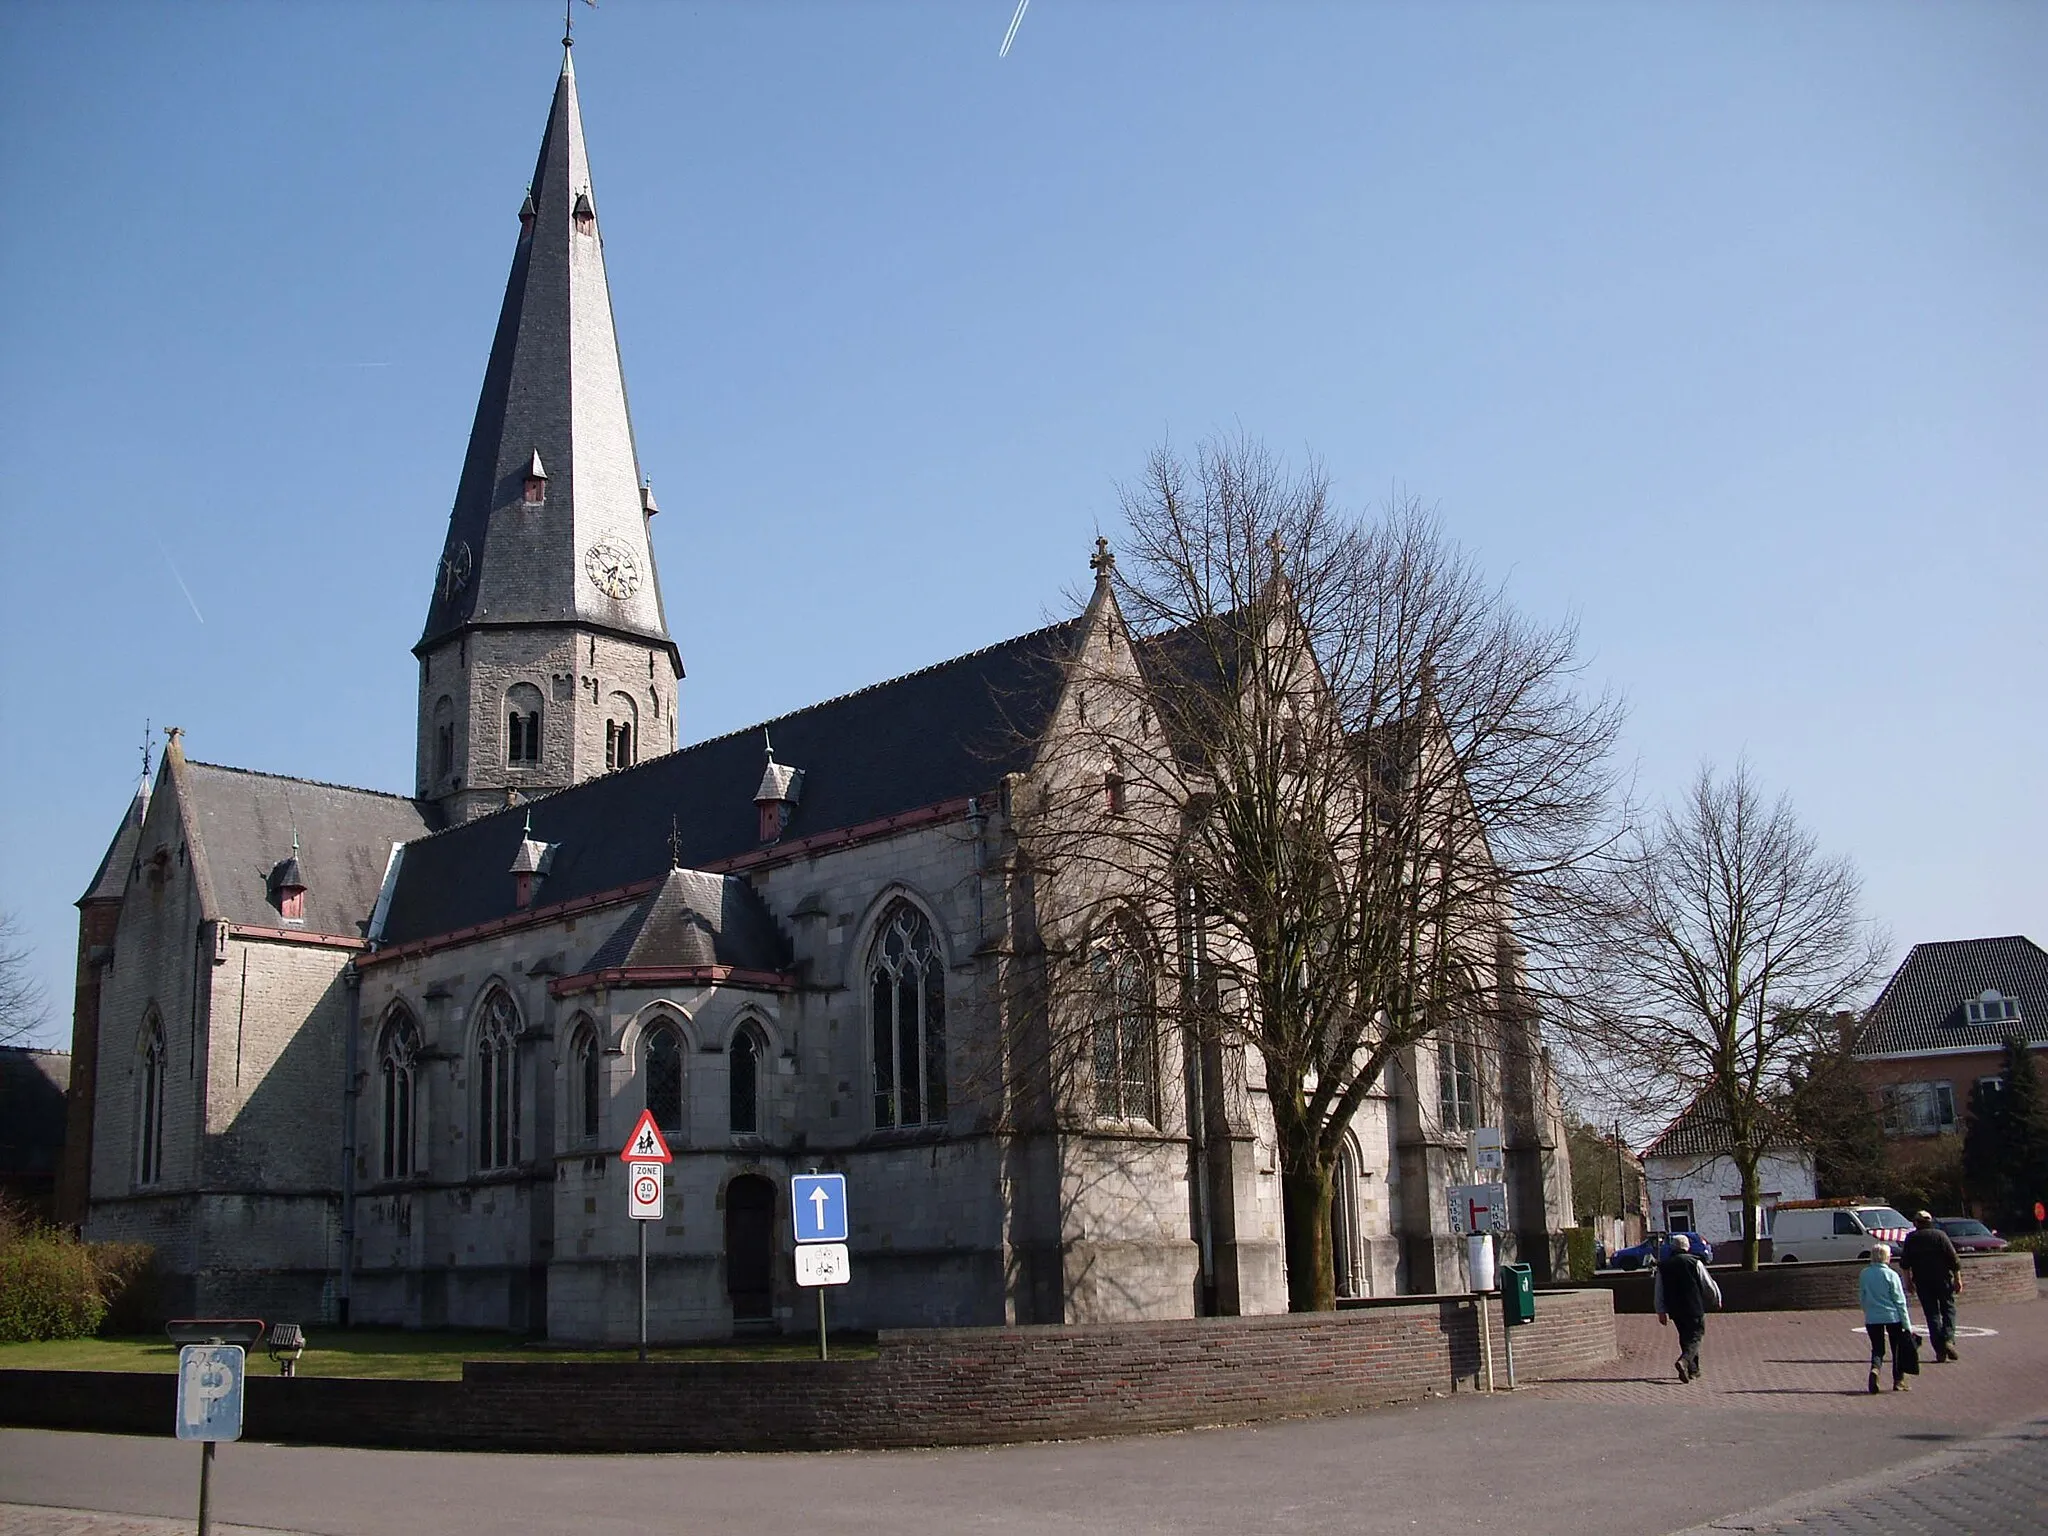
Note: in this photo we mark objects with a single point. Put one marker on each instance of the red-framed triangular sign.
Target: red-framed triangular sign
(645, 1145)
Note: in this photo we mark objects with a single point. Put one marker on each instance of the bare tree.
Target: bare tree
(1324, 764)
(1721, 947)
(23, 1006)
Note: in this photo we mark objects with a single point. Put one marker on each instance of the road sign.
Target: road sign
(645, 1145)
(643, 1191)
(817, 1207)
(210, 1391)
(822, 1264)
(1489, 1150)
(1478, 1208)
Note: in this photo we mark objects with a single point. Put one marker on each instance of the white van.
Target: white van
(1812, 1230)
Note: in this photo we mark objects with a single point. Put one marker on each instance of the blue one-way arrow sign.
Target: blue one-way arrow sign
(817, 1207)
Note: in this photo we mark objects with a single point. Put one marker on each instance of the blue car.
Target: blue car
(1653, 1248)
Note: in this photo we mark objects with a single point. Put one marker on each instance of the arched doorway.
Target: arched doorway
(750, 1248)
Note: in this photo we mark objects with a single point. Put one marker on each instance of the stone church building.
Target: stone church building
(349, 1055)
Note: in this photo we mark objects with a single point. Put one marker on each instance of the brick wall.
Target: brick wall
(967, 1386)
(1989, 1279)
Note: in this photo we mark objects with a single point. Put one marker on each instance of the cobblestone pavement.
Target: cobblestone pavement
(1993, 1485)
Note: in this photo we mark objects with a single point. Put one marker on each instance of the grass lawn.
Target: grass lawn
(392, 1352)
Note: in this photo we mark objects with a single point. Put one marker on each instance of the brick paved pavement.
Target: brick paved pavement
(1817, 1362)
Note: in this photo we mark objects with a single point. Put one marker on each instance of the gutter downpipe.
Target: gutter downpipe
(350, 1094)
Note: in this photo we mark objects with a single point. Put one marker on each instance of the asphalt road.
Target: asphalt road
(1624, 1450)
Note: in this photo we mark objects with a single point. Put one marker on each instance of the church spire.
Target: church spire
(546, 658)
(568, 546)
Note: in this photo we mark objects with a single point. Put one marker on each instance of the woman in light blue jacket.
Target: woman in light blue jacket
(1884, 1315)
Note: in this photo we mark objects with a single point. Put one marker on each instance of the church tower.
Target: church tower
(546, 658)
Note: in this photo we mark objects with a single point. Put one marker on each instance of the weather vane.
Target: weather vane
(569, 21)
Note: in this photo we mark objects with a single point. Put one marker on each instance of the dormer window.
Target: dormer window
(288, 888)
(586, 216)
(536, 481)
(530, 866)
(776, 799)
(1992, 1007)
(526, 216)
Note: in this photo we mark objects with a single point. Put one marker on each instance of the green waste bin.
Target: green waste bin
(1517, 1294)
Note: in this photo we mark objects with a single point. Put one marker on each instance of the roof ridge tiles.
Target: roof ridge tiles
(293, 778)
(887, 682)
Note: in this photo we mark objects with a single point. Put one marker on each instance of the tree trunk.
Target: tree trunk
(1305, 1201)
(1746, 1166)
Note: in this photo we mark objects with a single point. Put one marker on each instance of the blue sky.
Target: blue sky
(1723, 328)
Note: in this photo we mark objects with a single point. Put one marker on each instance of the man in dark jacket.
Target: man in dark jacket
(1931, 1263)
(1683, 1291)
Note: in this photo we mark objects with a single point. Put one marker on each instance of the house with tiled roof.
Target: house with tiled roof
(1938, 1030)
(1694, 1185)
(355, 1056)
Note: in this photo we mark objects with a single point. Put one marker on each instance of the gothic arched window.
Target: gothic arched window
(1457, 1084)
(661, 1075)
(497, 1083)
(1125, 1049)
(743, 1080)
(907, 1019)
(149, 1107)
(397, 1063)
(586, 1091)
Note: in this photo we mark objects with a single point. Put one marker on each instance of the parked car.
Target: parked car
(1814, 1230)
(1654, 1247)
(1971, 1236)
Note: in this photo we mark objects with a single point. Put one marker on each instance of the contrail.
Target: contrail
(180, 580)
(1016, 21)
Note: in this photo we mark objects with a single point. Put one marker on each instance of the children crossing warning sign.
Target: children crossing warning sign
(645, 1145)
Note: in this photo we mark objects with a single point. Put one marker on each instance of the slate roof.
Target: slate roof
(1701, 1130)
(696, 919)
(940, 734)
(1921, 1007)
(245, 820)
(32, 1085)
(555, 341)
(111, 878)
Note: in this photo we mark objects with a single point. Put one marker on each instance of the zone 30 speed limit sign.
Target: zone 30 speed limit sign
(643, 1191)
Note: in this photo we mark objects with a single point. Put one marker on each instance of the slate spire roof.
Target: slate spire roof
(553, 394)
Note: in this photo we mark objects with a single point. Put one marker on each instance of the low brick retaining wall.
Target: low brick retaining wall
(1989, 1280)
(955, 1386)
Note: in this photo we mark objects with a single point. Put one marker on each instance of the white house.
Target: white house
(1694, 1185)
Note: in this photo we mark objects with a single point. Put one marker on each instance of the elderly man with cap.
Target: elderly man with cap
(1930, 1258)
(1682, 1293)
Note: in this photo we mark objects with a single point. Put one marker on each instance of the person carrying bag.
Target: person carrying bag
(1886, 1321)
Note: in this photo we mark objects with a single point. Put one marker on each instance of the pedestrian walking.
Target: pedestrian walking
(1937, 1270)
(1886, 1321)
(1684, 1293)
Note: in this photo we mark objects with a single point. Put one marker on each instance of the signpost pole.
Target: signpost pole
(822, 1352)
(1507, 1337)
(642, 1226)
(206, 1488)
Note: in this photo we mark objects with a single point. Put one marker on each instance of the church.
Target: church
(345, 1055)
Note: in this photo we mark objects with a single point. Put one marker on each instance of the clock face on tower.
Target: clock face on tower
(455, 570)
(612, 570)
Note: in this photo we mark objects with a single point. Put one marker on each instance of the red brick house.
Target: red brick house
(1939, 1028)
